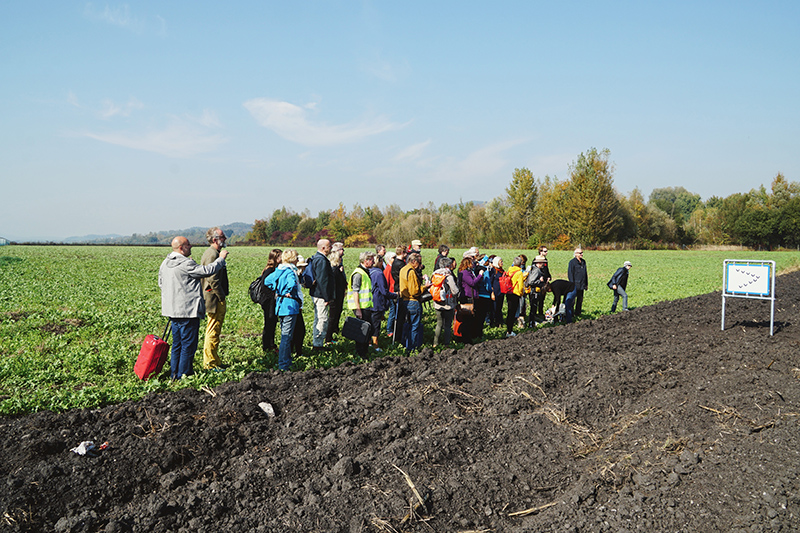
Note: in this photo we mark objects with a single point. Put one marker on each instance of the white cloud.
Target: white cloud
(208, 119)
(480, 164)
(110, 109)
(412, 152)
(179, 139)
(120, 16)
(292, 123)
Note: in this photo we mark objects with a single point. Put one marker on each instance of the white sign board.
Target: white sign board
(749, 279)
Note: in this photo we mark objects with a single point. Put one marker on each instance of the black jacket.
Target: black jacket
(323, 277)
(620, 279)
(576, 272)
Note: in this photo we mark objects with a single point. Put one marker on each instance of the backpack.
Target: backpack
(259, 292)
(439, 290)
(307, 279)
(534, 279)
(506, 284)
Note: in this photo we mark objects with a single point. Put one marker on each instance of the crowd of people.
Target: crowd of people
(467, 295)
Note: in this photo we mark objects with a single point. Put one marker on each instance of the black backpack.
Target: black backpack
(260, 293)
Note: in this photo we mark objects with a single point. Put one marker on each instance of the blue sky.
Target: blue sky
(147, 116)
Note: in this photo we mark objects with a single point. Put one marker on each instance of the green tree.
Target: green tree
(551, 218)
(591, 203)
(789, 225)
(677, 202)
(521, 195)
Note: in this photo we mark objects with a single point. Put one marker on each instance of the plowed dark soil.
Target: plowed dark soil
(650, 420)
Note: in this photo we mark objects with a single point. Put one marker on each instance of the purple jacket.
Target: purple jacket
(469, 283)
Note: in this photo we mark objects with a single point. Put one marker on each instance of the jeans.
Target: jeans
(185, 332)
(414, 313)
(569, 303)
(320, 321)
(617, 293)
(285, 350)
(391, 317)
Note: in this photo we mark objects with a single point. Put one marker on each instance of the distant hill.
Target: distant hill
(235, 232)
(92, 238)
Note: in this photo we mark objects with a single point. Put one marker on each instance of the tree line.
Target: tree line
(584, 209)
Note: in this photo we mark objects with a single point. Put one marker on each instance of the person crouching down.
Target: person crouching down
(619, 284)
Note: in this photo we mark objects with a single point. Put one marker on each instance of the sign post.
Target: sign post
(749, 279)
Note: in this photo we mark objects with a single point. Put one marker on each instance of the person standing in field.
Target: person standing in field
(411, 288)
(182, 301)
(468, 285)
(498, 297)
(395, 326)
(445, 308)
(381, 300)
(339, 290)
(322, 292)
(380, 253)
(545, 270)
(619, 284)
(270, 318)
(359, 296)
(285, 283)
(215, 290)
(537, 282)
(299, 335)
(576, 273)
(513, 298)
(444, 250)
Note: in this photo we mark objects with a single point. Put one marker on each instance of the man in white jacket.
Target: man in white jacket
(182, 301)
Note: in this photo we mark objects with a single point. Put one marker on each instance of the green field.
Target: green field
(72, 318)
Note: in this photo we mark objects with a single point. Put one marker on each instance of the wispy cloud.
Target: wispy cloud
(384, 69)
(480, 164)
(122, 17)
(110, 109)
(180, 138)
(413, 152)
(292, 123)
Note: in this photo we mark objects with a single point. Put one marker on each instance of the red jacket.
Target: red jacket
(387, 273)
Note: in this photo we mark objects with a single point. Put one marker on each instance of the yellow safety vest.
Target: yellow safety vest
(364, 294)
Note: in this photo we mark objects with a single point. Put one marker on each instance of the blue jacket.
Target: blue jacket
(485, 286)
(380, 290)
(286, 286)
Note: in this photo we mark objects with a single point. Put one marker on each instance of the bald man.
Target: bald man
(182, 301)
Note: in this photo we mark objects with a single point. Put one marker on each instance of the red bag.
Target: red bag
(152, 356)
(506, 284)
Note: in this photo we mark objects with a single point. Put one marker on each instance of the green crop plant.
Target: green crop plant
(72, 318)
